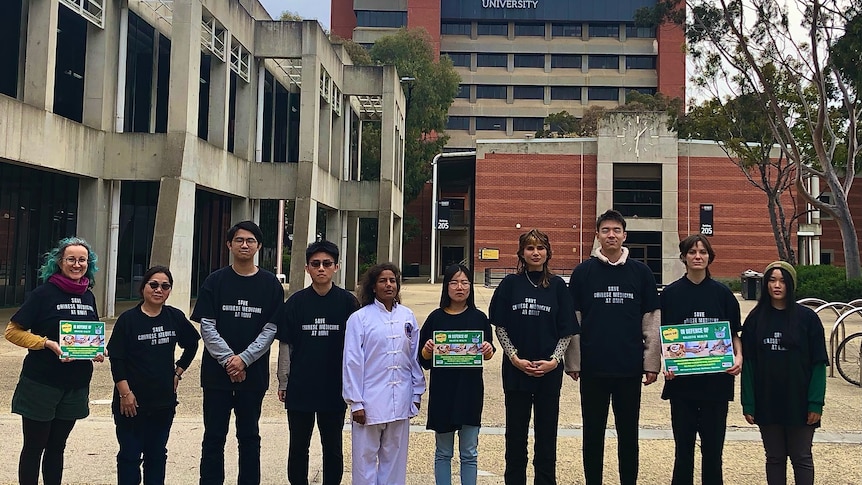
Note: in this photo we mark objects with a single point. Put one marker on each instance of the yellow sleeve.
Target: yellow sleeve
(22, 338)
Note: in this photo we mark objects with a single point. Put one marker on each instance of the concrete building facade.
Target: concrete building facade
(148, 127)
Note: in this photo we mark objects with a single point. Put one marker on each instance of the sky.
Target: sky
(308, 9)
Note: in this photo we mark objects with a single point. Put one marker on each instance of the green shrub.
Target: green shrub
(734, 284)
(828, 283)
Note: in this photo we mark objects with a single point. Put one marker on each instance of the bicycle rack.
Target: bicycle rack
(811, 302)
(834, 307)
(834, 341)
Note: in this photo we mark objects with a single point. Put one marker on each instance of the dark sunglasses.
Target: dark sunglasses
(156, 284)
(316, 263)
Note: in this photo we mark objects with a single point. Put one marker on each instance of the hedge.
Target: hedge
(829, 283)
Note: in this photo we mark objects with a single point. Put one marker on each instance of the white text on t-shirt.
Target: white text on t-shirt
(242, 309)
(614, 296)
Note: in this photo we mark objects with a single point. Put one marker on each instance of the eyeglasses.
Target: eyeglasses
(156, 284)
(72, 260)
(455, 284)
(326, 263)
(248, 240)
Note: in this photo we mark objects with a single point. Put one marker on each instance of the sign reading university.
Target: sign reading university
(510, 3)
(541, 10)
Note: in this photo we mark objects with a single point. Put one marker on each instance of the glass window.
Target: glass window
(493, 29)
(640, 62)
(567, 30)
(492, 60)
(637, 190)
(605, 30)
(604, 62)
(566, 61)
(565, 92)
(530, 60)
(463, 91)
(533, 30)
(455, 28)
(458, 123)
(650, 91)
(459, 59)
(633, 31)
(494, 123)
(527, 124)
(604, 94)
(528, 92)
(380, 18)
(490, 91)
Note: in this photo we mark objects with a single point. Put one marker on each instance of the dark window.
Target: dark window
(565, 92)
(69, 73)
(531, 30)
(493, 29)
(463, 91)
(567, 30)
(605, 30)
(640, 62)
(492, 60)
(528, 92)
(637, 190)
(492, 123)
(458, 123)
(604, 94)
(633, 31)
(566, 61)
(139, 75)
(604, 62)
(645, 246)
(490, 91)
(527, 124)
(138, 202)
(10, 36)
(455, 28)
(459, 59)
(650, 91)
(530, 60)
(380, 18)
(212, 220)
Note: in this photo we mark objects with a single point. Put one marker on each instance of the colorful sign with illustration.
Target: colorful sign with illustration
(700, 348)
(458, 348)
(81, 340)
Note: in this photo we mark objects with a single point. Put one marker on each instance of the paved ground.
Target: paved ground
(92, 447)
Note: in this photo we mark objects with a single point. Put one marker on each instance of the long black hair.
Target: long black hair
(450, 273)
(763, 310)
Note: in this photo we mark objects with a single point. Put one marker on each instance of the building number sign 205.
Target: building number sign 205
(442, 224)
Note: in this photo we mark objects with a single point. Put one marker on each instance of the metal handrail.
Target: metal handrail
(834, 341)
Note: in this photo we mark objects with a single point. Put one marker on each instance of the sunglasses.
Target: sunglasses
(316, 263)
(156, 284)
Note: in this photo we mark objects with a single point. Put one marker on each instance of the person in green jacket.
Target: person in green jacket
(784, 375)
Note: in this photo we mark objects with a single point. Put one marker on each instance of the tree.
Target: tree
(290, 15)
(566, 125)
(358, 54)
(753, 46)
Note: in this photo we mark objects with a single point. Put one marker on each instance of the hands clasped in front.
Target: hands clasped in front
(235, 368)
(534, 368)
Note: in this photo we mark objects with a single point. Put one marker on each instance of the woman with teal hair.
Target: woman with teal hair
(53, 392)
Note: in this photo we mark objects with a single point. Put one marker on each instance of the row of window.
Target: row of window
(562, 93)
(381, 18)
(538, 29)
(558, 61)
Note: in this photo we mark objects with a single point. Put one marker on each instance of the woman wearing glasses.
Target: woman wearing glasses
(141, 350)
(53, 393)
(456, 393)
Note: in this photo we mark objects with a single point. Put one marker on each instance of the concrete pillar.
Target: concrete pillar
(334, 230)
(174, 236)
(324, 137)
(388, 170)
(350, 253)
(304, 233)
(240, 210)
(245, 122)
(102, 66)
(41, 58)
(219, 110)
(94, 204)
(397, 236)
(185, 67)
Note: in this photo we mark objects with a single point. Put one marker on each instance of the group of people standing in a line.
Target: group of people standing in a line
(338, 352)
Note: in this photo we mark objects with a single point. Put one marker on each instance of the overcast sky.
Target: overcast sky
(308, 9)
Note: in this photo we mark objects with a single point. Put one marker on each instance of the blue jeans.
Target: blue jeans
(468, 442)
(145, 435)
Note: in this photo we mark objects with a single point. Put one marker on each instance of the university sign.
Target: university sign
(510, 3)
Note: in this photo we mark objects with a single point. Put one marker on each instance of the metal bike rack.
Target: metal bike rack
(834, 341)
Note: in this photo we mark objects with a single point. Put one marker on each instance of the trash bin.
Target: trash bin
(751, 284)
(412, 270)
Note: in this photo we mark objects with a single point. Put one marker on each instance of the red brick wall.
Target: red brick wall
(831, 238)
(671, 59)
(426, 14)
(342, 19)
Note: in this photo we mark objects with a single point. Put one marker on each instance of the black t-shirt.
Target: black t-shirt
(455, 395)
(41, 314)
(141, 350)
(612, 301)
(241, 306)
(684, 302)
(783, 352)
(535, 319)
(314, 327)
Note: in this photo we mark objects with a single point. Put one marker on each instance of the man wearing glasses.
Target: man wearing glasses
(236, 310)
(311, 334)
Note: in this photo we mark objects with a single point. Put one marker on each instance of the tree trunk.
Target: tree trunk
(773, 221)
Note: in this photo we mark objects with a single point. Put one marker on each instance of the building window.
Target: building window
(566, 61)
(637, 190)
(603, 62)
(529, 30)
(530, 60)
(492, 60)
(458, 123)
(649, 91)
(827, 256)
(640, 62)
(459, 59)
(603, 94)
(567, 30)
(633, 31)
(455, 28)
(605, 30)
(528, 124)
(490, 91)
(565, 92)
(492, 123)
(528, 92)
(463, 91)
(380, 18)
(826, 197)
(493, 29)
(645, 246)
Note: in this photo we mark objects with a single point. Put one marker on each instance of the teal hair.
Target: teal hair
(53, 257)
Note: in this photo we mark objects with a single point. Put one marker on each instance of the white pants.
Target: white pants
(380, 453)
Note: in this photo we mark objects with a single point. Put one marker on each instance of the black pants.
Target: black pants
(143, 439)
(217, 407)
(688, 419)
(301, 425)
(780, 442)
(546, 410)
(624, 394)
(44, 443)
